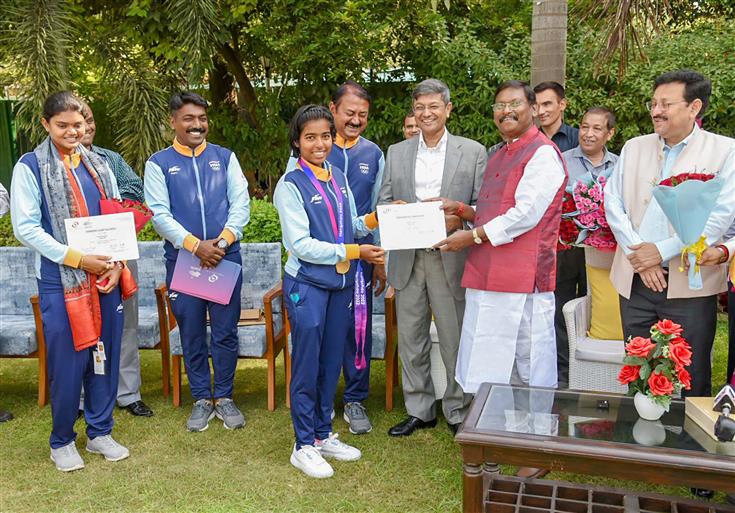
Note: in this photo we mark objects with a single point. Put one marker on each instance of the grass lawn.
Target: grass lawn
(246, 470)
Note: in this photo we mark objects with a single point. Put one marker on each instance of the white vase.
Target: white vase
(647, 408)
(649, 432)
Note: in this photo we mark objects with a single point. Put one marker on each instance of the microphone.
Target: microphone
(724, 403)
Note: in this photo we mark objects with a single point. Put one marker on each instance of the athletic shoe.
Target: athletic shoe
(107, 447)
(67, 458)
(310, 461)
(340, 451)
(201, 413)
(227, 412)
(356, 416)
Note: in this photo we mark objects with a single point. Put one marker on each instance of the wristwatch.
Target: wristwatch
(476, 237)
(222, 244)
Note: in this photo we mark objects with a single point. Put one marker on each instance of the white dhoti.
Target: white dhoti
(507, 337)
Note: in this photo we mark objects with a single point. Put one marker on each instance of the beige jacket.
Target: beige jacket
(641, 169)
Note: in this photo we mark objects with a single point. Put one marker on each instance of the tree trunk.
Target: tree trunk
(548, 41)
(246, 97)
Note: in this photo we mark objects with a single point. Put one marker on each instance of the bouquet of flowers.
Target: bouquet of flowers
(583, 216)
(141, 213)
(656, 366)
(687, 200)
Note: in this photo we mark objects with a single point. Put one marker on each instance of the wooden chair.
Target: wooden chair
(21, 333)
(261, 288)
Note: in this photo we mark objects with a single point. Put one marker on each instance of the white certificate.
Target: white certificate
(411, 226)
(111, 235)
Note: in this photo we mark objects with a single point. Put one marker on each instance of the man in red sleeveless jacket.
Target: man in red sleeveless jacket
(510, 271)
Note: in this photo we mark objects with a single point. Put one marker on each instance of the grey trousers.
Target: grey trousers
(129, 381)
(427, 291)
(128, 384)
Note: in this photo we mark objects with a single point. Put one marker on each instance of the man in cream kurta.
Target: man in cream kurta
(508, 330)
(645, 270)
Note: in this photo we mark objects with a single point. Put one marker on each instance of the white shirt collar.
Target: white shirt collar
(439, 147)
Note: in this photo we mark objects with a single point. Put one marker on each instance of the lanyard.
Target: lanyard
(584, 165)
(361, 314)
(338, 225)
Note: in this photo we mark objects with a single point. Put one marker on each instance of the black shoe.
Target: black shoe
(5, 416)
(80, 414)
(703, 493)
(139, 409)
(453, 427)
(409, 425)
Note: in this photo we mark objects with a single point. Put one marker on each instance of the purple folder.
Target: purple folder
(214, 285)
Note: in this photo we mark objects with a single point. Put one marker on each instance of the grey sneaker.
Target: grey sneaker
(227, 412)
(201, 413)
(107, 447)
(67, 458)
(356, 416)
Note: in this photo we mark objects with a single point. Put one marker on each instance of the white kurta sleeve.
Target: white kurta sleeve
(541, 179)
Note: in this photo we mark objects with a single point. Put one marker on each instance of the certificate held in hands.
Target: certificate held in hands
(214, 285)
(110, 235)
(411, 225)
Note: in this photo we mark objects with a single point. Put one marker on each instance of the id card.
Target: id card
(99, 364)
(101, 350)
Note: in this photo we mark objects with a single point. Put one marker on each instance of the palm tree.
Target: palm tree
(548, 41)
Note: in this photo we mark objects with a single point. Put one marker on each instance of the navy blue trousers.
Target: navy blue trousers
(191, 316)
(357, 382)
(320, 320)
(69, 370)
(731, 332)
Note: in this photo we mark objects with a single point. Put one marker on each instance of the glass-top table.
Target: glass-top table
(593, 433)
(590, 416)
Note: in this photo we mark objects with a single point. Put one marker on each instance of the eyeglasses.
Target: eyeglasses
(664, 105)
(501, 106)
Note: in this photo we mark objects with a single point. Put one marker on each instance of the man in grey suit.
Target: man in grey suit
(434, 163)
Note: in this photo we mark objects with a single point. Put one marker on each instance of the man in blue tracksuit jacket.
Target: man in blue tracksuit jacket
(362, 162)
(200, 204)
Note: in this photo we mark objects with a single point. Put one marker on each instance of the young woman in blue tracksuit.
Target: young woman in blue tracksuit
(79, 295)
(319, 225)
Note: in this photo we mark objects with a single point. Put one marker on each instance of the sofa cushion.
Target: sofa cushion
(261, 271)
(605, 323)
(151, 272)
(148, 331)
(18, 335)
(597, 350)
(18, 281)
(252, 340)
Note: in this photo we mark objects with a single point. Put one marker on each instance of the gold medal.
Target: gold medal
(343, 267)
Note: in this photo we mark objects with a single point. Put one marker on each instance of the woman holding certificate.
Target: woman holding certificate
(319, 224)
(80, 300)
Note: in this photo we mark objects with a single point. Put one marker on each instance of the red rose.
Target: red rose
(660, 384)
(680, 354)
(639, 346)
(679, 340)
(668, 327)
(684, 377)
(629, 373)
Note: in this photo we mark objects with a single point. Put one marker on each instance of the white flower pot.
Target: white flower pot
(647, 408)
(649, 432)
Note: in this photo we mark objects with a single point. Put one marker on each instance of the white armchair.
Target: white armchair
(594, 364)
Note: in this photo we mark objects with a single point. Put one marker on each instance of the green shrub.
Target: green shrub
(6, 232)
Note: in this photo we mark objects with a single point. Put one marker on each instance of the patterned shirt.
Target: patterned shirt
(129, 183)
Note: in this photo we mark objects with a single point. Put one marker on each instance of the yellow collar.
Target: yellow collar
(322, 174)
(188, 152)
(344, 143)
(70, 160)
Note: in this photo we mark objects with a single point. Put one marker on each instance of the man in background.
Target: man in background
(131, 187)
(410, 126)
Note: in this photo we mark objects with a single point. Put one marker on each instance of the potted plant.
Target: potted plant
(655, 368)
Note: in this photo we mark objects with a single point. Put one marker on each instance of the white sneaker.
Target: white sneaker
(107, 447)
(340, 451)
(67, 458)
(310, 461)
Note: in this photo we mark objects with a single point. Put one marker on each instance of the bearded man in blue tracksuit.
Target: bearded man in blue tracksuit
(200, 203)
(362, 162)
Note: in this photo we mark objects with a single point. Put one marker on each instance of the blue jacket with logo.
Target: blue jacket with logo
(196, 194)
(363, 162)
(307, 230)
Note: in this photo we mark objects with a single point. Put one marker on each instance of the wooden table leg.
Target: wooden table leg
(472, 484)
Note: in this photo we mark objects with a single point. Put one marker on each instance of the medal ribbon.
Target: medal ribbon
(360, 297)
